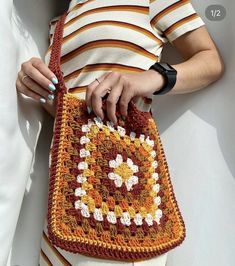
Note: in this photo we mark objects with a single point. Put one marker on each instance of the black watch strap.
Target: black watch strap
(169, 74)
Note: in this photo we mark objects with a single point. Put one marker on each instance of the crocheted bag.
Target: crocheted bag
(110, 193)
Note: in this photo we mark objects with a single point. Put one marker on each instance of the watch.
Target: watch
(169, 74)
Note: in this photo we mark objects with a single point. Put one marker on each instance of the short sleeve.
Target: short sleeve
(173, 18)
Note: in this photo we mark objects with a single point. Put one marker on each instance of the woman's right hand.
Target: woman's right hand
(36, 81)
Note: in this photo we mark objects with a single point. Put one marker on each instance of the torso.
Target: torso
(107, 35)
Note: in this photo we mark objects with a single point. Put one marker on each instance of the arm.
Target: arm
(203, 64)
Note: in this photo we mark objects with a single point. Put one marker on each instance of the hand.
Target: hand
(36, 80)
(121, 88)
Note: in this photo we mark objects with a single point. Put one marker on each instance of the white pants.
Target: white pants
(51, 255)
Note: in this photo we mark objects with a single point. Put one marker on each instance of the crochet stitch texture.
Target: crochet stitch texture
(110, 193)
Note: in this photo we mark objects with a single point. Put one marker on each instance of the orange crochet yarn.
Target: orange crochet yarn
(110, 192)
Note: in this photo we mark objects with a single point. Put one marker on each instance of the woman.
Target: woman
(108, 47)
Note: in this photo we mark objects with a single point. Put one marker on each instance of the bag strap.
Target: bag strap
(54, 63)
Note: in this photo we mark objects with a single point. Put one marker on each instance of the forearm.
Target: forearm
(193, 74)
(197, 72)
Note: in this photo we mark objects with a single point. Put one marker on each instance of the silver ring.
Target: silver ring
(25, 76)
(97, 80)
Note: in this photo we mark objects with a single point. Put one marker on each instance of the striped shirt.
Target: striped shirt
(118, 35)
(114, 35)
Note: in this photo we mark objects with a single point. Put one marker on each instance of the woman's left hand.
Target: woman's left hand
(121, 88)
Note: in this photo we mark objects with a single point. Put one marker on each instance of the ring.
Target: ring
(97, 80)
(25, 76)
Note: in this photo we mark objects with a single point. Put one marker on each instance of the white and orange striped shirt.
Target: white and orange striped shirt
(118, 35)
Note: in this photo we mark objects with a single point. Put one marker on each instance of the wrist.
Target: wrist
(157, 79)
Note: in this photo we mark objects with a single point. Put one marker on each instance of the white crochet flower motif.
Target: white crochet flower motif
(84, 140)
(154, 164)
(82, 166)
(85, 211)
(132, 135)
(149, 141)
(158, 215)
(85, 128)
(98, 214)
(79, 192)
(156, 188)
(90, 123)
(81, 179)
(126, 219)
(157, 200)
(121, 131)
(111, 217)
(84, 153)
(78, 204)
(149, 219)
(141, 137)
(138, 219)
(155, 176)
(83, 207)
(123, 172)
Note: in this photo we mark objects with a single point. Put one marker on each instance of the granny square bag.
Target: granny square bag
(110, 193)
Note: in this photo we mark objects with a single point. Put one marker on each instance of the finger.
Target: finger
(111, 102)
(100, 91)
(44, 70)
(26, 91)
(33, 86)
(126, 97)
(29, 70)
(91, 87)
(96, 105)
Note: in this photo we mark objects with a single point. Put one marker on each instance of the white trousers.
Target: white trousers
(51, 255)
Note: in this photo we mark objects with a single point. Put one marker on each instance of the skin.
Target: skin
(202, 66)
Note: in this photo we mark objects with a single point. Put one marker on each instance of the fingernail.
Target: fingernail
(89, 109)
(55, 80)
(42, 100)
(50, 97)
(51, 87)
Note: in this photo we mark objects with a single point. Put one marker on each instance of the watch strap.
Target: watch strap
(169, 74)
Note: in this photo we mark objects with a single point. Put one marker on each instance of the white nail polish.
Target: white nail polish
(50, 97)
(89, 109)
(55, 80)
(42, 100)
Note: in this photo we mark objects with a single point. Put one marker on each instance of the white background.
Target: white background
(198, 133)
